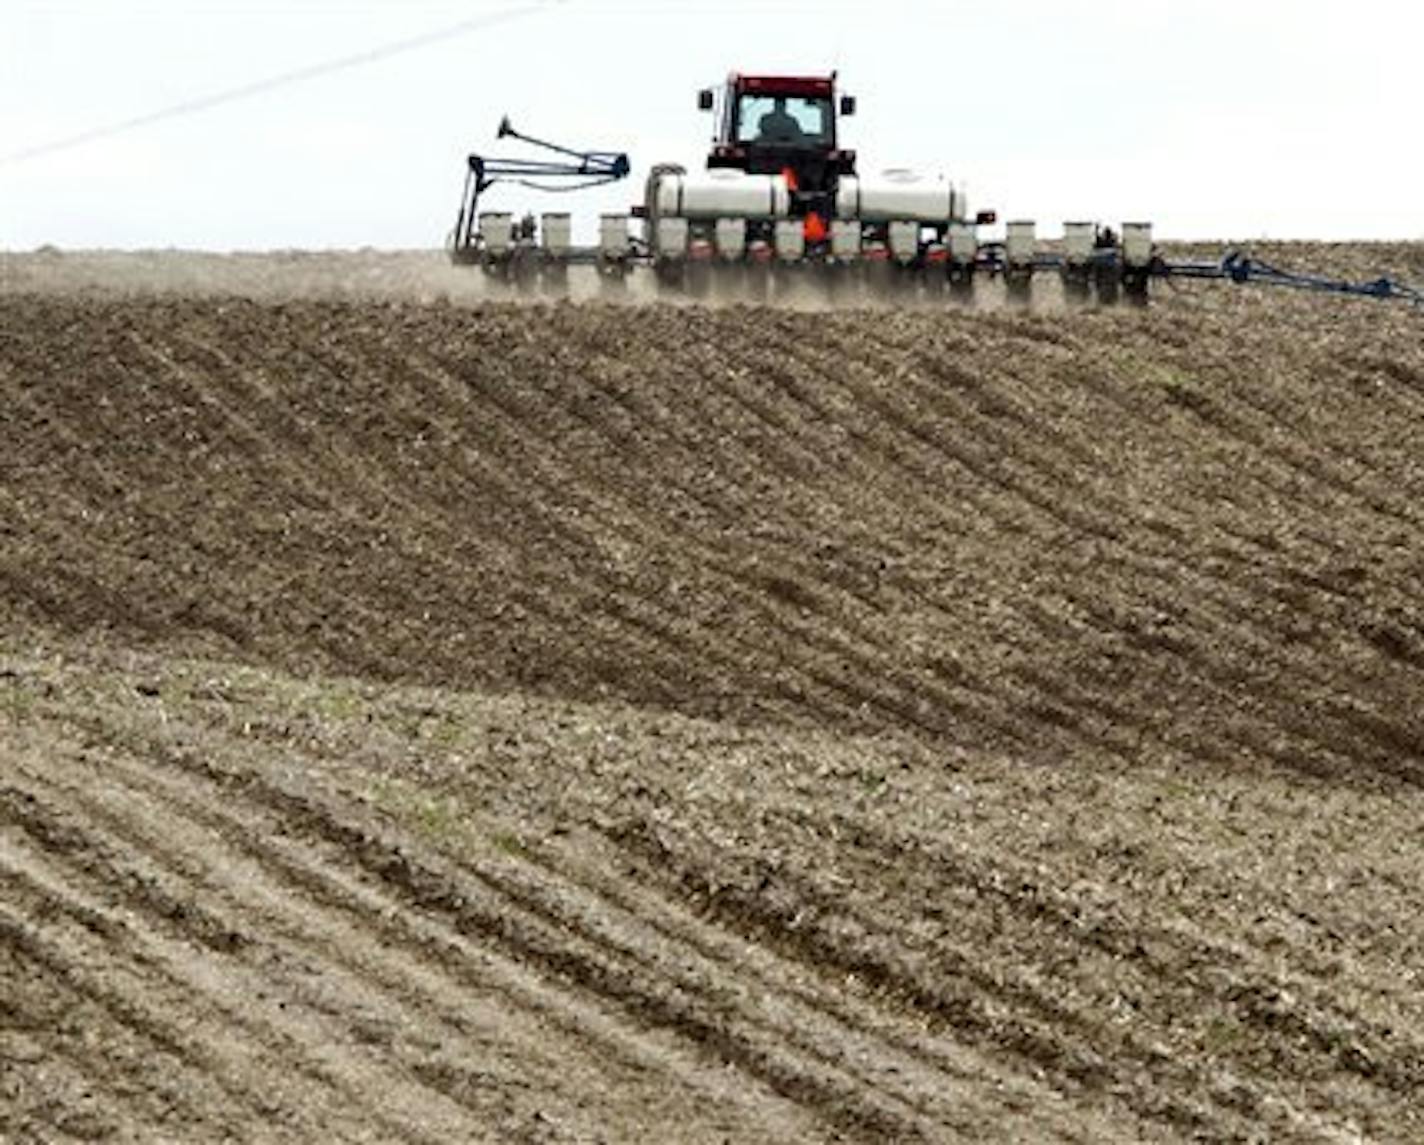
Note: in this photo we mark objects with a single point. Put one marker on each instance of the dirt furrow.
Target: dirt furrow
(610, 516)
(230, 990)
(290, 899)
(834, 1047)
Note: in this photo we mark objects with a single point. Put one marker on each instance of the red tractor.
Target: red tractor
(780, 187)
(782, 125)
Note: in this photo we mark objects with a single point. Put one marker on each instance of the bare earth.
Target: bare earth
(433, 716)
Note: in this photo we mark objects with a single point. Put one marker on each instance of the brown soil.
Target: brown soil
(439, 719)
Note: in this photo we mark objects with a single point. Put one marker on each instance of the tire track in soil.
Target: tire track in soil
(1240, 620)
(932, 1060)
(822, 1077)
(908, 428)
(389, 498)
(1169, 950)
(908, 710)
(818, 1079)
(612, 520)
(954, 991)
(369, 887)
(227, 1026)
(533, 447)
(142, 1060)
(969, 983)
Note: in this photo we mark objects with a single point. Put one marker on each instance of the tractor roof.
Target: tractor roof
(813, 86)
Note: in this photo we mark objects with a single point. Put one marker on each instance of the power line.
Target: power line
(299, 75)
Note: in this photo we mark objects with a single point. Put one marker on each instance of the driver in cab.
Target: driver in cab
(778, 125)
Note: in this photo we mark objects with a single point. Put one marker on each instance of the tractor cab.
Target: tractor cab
(772, 125)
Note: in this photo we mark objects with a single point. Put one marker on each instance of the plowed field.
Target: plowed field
(430, 717)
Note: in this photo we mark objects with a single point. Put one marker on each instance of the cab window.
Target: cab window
(798, 120)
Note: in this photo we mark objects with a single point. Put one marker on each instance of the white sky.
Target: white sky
(1213, 118)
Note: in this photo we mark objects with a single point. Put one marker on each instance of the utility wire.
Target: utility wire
(299, 75)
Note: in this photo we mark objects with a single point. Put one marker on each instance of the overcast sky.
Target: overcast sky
(1213, 118)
